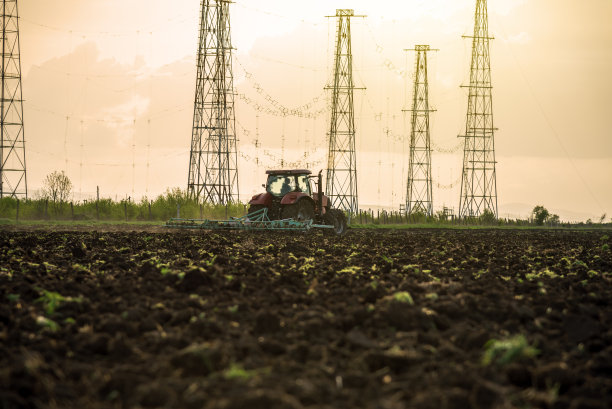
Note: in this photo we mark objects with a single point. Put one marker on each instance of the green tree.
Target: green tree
(487, 217)
(57, 187)
(554, 220)
(540, 215)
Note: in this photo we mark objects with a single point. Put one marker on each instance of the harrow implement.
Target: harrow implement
(256, 221)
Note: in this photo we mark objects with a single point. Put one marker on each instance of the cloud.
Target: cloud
(85, 113)
(520, 38)
(505, 7)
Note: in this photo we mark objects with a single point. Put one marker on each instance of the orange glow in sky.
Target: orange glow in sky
(109, 85)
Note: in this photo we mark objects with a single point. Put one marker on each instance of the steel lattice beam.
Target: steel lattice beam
(213, 164)
(13, 181)
(478, 183)
(419, 197)
(341, 185)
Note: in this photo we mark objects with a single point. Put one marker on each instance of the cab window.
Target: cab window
(303, 184)
(280, 185)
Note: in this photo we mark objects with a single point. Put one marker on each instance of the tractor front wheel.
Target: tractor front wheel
(301, 211)
(336, 218)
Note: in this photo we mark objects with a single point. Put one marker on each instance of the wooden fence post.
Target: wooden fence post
(125, 210)
(97, 200)
(72, 210)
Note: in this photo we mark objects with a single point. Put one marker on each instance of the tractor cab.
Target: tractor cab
(289, 194)
(281, 182)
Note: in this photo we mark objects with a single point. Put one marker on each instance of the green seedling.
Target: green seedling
(350, 270)
(351, 256)
(579, 263)
(388, 260)
(308, 265)
(403, 297)
(80, 268)
(52, 300)
(506, 351)
(414, 267)
(592, 273)
(179, 274)
(548, 273)
(210, 262)
(432, 296)
(12, 297)
(47, 323)
(236, 371)
(6, 272)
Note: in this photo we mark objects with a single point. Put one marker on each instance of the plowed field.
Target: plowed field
(375, 319)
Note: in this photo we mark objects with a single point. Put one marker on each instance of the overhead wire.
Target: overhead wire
(549, 122)
(166, 25)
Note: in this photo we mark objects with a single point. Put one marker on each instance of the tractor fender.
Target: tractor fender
(261, 199)
(294, 197)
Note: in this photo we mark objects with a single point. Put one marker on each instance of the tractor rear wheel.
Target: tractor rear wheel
(336, 218)
(301, 211)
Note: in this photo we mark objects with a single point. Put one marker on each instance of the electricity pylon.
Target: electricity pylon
(478, 181)
(419, 198)
(13, 181)
(341, 185)
(213, 162)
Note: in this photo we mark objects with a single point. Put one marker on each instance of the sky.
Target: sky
(109, 88)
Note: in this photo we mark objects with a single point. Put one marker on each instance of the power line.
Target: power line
(550, 124)
(161, 26)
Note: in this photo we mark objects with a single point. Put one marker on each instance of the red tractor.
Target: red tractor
(289, 195)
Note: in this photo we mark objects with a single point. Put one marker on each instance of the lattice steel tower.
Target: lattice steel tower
(419, 198)
(341, 161)
(213, 164)
(478, 183)
(13, 181)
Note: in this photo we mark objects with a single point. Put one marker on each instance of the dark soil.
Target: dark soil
(263, 321)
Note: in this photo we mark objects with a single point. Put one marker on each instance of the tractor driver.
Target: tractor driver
(286, 187)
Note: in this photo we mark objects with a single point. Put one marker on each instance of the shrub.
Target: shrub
(503, 352)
